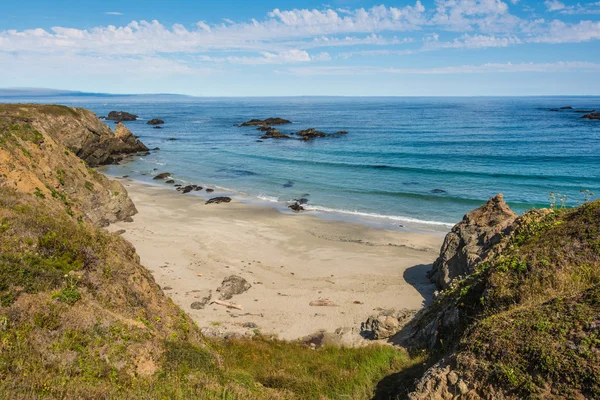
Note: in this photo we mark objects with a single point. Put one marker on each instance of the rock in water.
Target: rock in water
(233, 285)
(266, 122)
(155, 121)
(469, 241)
(296, 207)
(163, 175)
(566, 108)
(594, 115)
(218, 200)
(121, 116)
(310, 133)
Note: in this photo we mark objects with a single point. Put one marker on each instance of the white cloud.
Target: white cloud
(561, 32)
(554, 5)
(113, 13)
(570, 66)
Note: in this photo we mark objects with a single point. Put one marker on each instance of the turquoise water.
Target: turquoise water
(409, 161)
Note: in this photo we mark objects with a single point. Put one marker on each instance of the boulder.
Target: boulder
(163, 175)
(342, 132)
(155, 121)
(593, 115)
(469, 241)
(171, 181)
(385, 324)
(266, 122)
(566, 108)
(233, 285)
(218, 200)
(209, 190)
(199, 305)
(121, 116)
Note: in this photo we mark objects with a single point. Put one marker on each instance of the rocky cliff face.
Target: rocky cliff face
(470, 240)
(48, 150)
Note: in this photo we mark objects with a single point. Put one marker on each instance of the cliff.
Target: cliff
(49, 150)
(522, 320)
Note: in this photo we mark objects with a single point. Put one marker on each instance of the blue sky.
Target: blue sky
(287, 47)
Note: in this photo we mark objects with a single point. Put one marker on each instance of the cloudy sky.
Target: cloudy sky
(293, 47)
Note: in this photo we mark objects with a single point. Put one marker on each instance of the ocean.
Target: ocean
(406, 163)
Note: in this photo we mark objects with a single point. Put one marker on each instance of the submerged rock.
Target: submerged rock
(566, 108)
(233, 285)
(121, 116)
(218, 200)
(470, 240)
(155, 121)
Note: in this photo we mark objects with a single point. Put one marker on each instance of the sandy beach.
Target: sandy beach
(290, 261)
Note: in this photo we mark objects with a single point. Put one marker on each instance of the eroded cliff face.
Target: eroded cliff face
(47, 150)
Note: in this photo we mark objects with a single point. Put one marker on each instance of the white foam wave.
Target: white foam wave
(378, 216)
(270, 199)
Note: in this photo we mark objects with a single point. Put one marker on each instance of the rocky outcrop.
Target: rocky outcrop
(442, 382)
(233, 285)
(127, 143)
(155, 121)
(121, 116)
(593, 115)
(470, 240)
(385, 324)
(266, 122)
(44, 150)
(162, 175)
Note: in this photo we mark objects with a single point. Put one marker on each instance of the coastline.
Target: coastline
(289, 259)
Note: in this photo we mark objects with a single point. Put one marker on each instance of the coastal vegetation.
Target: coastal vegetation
(80, 317)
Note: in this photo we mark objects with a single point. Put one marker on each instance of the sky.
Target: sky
(295, 48)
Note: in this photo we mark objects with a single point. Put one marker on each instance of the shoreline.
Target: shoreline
(289, 260)
(374, 220)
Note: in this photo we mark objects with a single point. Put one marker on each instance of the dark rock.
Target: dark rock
(309, 133)
(209, 190)
(218, 200)
(199, 305)
(296, 207)
(187, 189)
(157, 127)
(438, 191)
(566, 108)
(155, 121)
(177, 185)
(259, 141)
(156, 148)
(272, 133)
(171, 138)
(342, 132)
(266, 122)
(470, 240)
(121, 116)
(554, 109)
(301, 200)
(594, 115)
(263, 128)
(170, 181)
(288, 184)
(163, 175)
(584, 111)
(233, 285)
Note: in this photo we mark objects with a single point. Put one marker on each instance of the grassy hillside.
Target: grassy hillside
(528, 321)
(81, 318)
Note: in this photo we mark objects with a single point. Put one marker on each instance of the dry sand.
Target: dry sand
(290, 260)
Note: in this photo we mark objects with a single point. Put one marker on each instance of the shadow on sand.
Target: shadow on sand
(398, 385)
